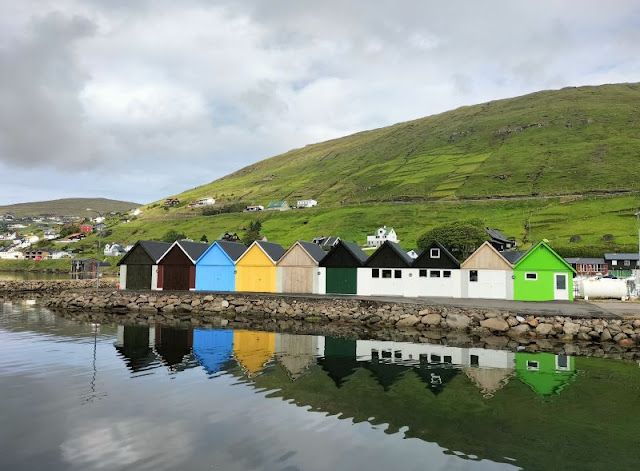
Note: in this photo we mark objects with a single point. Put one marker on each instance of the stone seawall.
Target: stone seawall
(40, 288)
(198, 308)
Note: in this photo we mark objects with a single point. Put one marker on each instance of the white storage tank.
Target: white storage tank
(603, 288)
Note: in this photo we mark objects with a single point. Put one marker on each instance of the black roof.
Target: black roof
(233, 249)
(355, 250)
(581, 260)
(193, 249)
(495, 234)
(275, 251)
(154, 249)
(395, 248)
(513, 256)
(621, 256)
(314, 250)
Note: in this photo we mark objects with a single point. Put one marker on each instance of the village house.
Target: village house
(622, 264)
(86, 268)
(278, 206)
(229, 237)
(172, 202)
(38, 254)
(86, 228)
(298, 269)
(500, 241)
(253, 209)
(11, 255)
(589, 266)
(114, 250)
(435, 272)
(326, 243)
(381, 236)
(306, 203)
(202, 202)
(487, 274)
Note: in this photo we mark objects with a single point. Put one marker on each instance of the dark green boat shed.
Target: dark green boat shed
(139, 266)
(341, 265)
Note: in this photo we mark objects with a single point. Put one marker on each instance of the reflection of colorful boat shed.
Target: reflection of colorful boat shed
(545, 373)
(339, 359)
(252, 350)
(212, 348)
(297, 353)
(134, 345)
(174, 346)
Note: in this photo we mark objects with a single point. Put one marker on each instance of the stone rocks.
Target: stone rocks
(432, 319)
(521, 329)
(495, 324)
(544, 329)
(408, 321)
(570, 328)
(458, 321)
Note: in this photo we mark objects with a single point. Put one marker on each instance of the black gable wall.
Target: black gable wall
(386, 257)
(137, 256)
(425, 260)
(340, 257)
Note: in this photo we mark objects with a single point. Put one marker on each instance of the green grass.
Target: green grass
(35, 266)
(68, 207)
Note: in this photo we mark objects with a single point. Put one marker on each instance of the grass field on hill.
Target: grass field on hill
(68, 207)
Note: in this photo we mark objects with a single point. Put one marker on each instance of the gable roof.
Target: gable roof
(272, 250)
(193, 250)
(497, 235)
(277, 204)
(233, 250)
(513, 256)
(585, 261)
(621, 256)
(505, 264)
(426, 253)
(155, 250)
(540, 244)
(402, 255)
(313, 250)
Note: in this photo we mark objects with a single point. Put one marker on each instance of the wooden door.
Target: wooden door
(138, 277)
(176, 277)
(342, 280)
(297, 280)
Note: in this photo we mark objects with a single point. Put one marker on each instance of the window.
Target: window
(375, 273)
(446, 274)
(475, 360)
(435, 253)
(448, 359)
(473, 275)
(434, 274)
(397, 274)
(627, 263)
(562, 362)
(374, 354)
(386, 354)
(531, 276)
(397, 354)
(614, 262)
(435, 358)
(533, 365)
(423, 273)
(386, 273)
(561, 282)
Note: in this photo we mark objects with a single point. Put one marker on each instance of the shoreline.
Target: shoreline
(595, 325)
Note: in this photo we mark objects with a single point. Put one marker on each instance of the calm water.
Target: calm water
(82, 396)
(36, 276)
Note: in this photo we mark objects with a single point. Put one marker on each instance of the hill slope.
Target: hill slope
(574, 140)
(552, 164)
(68, 207)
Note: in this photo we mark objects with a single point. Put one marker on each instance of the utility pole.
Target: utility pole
(638, 263)
(98, 254)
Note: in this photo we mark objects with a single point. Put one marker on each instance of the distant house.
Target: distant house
(86, 267)
(100, 227)
(278, 206)
(51, 235)
(203, 202)
(36, 254)
(589, 266)
(57, 254)
(136, 212)
(381, 236)
(12, 255)
(114, 250)
(327, 243)
(86, 228)
(306, 203)
(229, 237)
(171, 202)
(622, 263)
(500, 241)
(76, 237)
(253, 209)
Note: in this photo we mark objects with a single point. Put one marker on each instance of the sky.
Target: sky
(141, 99)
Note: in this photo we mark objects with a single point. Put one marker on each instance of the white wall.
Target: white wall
(491, 284)
(320, 280)
(442, 287)
(123, 277)
(154, 278)
(369, 286)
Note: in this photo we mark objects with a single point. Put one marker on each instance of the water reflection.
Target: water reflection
(201, 399)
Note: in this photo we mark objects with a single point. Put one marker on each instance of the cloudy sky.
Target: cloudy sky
(141, 99)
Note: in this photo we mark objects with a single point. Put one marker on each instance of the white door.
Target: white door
(561, 287)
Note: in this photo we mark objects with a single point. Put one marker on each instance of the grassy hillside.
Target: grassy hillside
(68, 207)
(549, 165)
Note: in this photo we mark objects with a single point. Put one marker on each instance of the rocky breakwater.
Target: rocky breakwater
(197, 308)
(39, 288)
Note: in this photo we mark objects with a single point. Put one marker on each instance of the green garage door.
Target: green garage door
(342, 280)
(138, 277)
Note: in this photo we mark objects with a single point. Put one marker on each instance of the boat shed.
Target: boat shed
(298, 269)
(177, 267)
(256, 269)
(216, 267)
(486, 274)
(436, 272)
(139, 266)
(385, 273)
(341, 267)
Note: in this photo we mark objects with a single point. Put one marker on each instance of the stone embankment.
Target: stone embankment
(41, 288)
(198, 308)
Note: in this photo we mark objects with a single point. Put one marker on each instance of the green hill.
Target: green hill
(551, 164)
(68, 207)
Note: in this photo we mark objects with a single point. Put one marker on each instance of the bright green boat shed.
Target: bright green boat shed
(542, 275)
(545, 373)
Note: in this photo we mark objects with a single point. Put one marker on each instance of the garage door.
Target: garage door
(138, 277)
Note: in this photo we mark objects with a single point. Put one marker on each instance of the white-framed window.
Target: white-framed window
(434, 274)
(627, 263)
(375, 273)
(386, 273)
(422, 274)
(446, 274)
(435, 253)
(531, 276)
(473, 275)
(614, 262)
(397, 273)
(562, 363)
(533, 365)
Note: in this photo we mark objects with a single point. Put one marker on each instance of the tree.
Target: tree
(461, 237)
(172, 236)
(252, 233)
(204, 239)
(69, 229)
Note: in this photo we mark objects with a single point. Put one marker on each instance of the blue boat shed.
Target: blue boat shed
(215, 269)
(212, 348)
